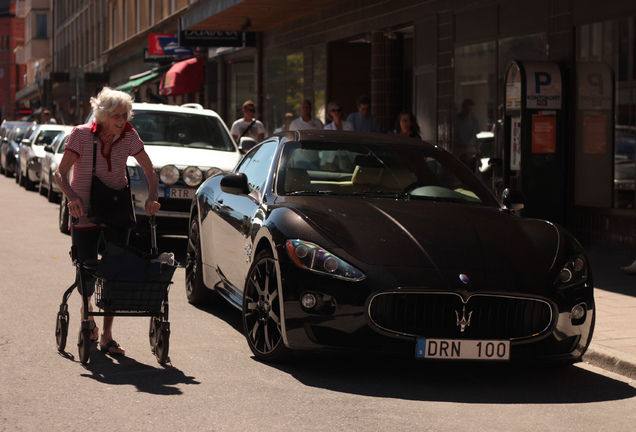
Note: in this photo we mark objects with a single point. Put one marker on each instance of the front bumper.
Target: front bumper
(345, 323)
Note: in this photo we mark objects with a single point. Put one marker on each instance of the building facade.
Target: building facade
(425, 56)
(11, 74)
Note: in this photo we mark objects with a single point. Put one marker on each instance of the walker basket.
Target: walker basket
(131, 296)
(130, 280)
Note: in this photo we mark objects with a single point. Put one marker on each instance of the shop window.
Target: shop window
(319, 82)
(613, 42)
(242, 88)
(285, 88)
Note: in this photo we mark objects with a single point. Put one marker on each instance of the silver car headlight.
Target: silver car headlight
(169, 174)
(212, 171)
(192, 176)
(574, 272)
(312, 257)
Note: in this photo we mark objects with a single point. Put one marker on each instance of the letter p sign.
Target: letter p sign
(541, 79)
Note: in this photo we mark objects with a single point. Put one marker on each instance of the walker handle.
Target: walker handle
(153, 234)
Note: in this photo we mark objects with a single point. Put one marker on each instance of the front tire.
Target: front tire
(262, 310)
(196, 291)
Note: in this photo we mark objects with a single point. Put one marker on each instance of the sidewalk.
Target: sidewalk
(613, 345)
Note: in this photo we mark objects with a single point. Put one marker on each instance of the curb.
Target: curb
(611, 360)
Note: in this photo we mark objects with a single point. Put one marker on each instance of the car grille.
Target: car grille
(439, 315)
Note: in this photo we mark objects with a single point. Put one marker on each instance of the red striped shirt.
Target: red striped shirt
(110, 169)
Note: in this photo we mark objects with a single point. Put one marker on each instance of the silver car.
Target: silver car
(32, 153)
(52, 156)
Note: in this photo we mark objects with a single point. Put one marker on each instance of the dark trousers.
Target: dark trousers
(87, 244)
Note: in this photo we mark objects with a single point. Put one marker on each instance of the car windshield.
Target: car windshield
(46, 137)
(181, 130)
(395, 170)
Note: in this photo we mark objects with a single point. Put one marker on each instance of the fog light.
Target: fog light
(308, 300)
(578, 312)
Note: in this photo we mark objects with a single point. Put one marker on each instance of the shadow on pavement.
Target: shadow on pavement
(502, 383)
(124, 370)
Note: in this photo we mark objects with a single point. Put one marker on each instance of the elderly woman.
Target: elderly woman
(334, 113)
(116, 140)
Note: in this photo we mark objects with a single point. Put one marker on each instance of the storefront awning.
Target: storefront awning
(183, 77)
(138, 80)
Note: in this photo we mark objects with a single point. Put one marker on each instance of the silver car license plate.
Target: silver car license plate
(180, 193)
(463, 349)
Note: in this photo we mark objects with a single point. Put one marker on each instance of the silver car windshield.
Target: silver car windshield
(181, 130)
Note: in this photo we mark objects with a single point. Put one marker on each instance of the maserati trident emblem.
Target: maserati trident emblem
(464, 278)
(463, 322)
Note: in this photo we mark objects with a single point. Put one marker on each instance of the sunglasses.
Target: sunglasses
(336, 110)
(250, 110)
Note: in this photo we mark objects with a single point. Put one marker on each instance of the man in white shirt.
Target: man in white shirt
(248, 126)
(306, 120)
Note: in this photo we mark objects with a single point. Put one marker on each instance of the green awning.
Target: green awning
(130, 86)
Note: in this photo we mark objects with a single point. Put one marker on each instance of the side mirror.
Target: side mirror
(48, 148)
(26, 142)
(513, 200)
(235, 184)
(246, 144)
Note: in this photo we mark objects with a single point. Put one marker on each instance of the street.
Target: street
(212, 383)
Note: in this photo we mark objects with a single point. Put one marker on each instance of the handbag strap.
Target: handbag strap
(248, 128)
(95, 158)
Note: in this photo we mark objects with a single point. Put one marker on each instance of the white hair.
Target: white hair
(108, 100)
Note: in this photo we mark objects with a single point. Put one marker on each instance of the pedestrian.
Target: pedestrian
(115, 140)
(248, 126)
(47, 118)
(406, 125)
(334, 113)
(466, 130)
(289, 117)
(306, 119)
(362, 120)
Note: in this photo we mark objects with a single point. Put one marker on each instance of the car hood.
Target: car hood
(425, 234)
(184, 157)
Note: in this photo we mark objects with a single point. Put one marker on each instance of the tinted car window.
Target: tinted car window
(181, 130)
(256, 165)
(419, 172)
(46, 137)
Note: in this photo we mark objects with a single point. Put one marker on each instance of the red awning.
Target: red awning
(183, 77)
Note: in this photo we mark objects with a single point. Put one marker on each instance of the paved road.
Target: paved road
(213, 384)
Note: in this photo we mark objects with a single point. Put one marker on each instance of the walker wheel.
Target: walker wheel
(84, 345)
(61, 330)
(153, 332)
(162, 345)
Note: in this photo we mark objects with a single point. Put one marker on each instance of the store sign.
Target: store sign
(23, 111)
(212, 38)
(166, 45)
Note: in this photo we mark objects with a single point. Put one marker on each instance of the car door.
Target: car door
(237, 215)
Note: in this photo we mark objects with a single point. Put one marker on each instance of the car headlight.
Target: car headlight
(312, 257)
(169, 174)
(192, 176)
(212, 171)
(574, 272)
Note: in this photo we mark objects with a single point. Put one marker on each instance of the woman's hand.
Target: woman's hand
(152, 204)
(76, 207)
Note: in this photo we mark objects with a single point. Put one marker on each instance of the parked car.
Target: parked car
(32, 152)
(52, 156)
(187, 144)
(350, 241)
(11, 134)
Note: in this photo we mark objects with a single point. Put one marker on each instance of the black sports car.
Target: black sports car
(349, 241)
